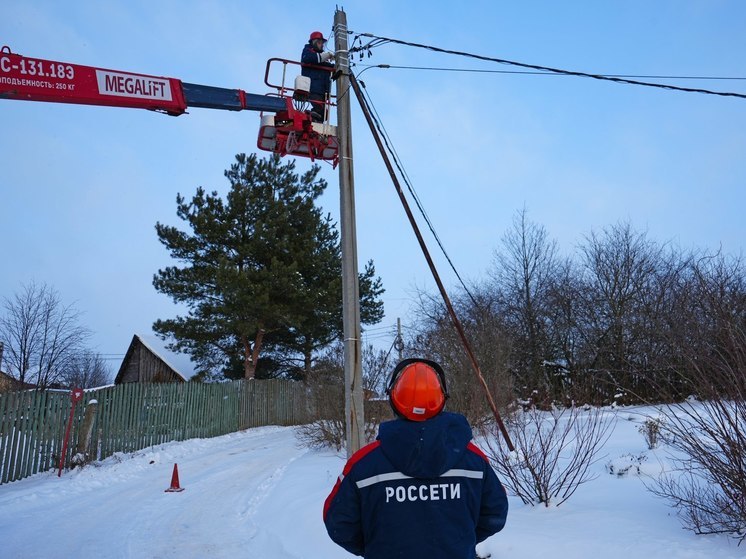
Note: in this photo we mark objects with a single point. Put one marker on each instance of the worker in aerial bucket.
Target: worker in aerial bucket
(422, 489)
(314, 61)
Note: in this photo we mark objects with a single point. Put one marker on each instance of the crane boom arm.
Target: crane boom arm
(34, 79)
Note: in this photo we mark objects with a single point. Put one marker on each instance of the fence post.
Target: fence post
(84, 440)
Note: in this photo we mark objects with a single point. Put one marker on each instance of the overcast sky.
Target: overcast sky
(82, 187)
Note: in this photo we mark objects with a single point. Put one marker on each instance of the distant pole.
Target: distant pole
(399, 341)
(354, 418)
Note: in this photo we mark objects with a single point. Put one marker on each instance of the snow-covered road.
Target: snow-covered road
(258, 495)
(120, 509)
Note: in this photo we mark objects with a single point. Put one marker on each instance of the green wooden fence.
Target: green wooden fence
(135, 416)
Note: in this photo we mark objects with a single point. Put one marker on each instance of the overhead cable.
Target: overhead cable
(378, 41)
(542, 73)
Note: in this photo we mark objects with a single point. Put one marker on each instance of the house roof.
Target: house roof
(180, 363)
(6, 378)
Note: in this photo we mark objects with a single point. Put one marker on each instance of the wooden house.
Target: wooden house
(7, 382)
(144, 363)
(10, 384)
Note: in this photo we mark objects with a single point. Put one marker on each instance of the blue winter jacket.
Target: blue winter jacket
(320, 78)
(421, 490)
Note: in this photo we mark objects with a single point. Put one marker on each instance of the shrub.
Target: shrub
(707, 485)
(554, 452)
(327, 398)
(651, 431)
(626, 464)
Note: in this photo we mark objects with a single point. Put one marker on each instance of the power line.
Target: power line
(542, 73)
(378, 41)
(376, 328)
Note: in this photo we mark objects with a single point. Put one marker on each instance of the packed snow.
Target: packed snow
(259, 494)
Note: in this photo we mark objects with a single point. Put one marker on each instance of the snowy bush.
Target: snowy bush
(328, 429)
(626, 465)
(554, 452)
(708, 482)
(707, 437)
(651, 431)
(327, 398)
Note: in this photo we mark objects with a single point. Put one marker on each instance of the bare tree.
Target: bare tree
(326, 391)
(553, 452)
(40, 335)
(435, 338)
(524, 273)
(86, 370)
(566, 323)
(710, 300)
(377, 367)
(621, 277)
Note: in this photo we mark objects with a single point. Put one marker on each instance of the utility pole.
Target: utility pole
(354, 418)
(399, 341)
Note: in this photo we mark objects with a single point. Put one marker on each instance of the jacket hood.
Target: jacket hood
(425, 449)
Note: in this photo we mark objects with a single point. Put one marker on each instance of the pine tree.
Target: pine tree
(262, 267)
(320, 322)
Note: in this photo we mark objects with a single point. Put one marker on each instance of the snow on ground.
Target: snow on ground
(258, 494)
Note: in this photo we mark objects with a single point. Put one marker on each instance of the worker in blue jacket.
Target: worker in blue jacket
(422, 489)
(314, 61)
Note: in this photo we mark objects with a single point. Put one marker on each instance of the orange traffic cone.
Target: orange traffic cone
(175, 481)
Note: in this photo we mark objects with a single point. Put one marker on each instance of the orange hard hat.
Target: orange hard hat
(417, 389)
(317, 35)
